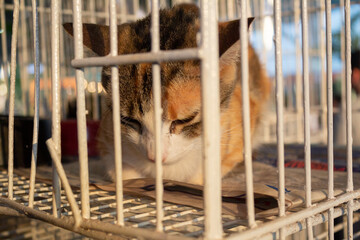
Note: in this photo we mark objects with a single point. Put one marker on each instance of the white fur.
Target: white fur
(181, 156)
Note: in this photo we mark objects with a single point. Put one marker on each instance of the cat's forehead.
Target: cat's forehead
(180, 82)
(178, 30)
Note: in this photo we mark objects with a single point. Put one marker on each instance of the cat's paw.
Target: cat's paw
(127, 173)
(198, 179)
(130, 172)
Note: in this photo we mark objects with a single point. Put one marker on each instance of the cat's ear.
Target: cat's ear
(95, 37)
(229, 34)
(229, 51)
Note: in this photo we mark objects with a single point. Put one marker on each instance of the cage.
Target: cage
(51, 92)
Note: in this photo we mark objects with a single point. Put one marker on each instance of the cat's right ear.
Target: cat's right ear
(229, 34)
(96, 37)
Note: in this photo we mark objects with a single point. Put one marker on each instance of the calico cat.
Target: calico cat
(181, 97)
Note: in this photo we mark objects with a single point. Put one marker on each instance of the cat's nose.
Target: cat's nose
(152, 158)
(151, 152)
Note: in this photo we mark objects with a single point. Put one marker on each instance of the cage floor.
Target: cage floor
(20, 228)
(138, 212)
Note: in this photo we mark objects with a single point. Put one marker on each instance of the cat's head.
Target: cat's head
(180, 81)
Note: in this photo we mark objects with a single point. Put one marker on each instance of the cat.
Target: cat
(181, 97)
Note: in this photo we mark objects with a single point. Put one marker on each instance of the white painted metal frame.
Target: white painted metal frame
(349, 150)
(306, 97)
(330, 122)
(12, 98)
(207, 53)
(280, 112)
(56, 100)
(246, 114)
(211, 119)
(37, 103)
(116, 116)
(81, 110)
(156, 74)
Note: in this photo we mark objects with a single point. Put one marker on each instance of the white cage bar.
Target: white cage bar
(279, 112)
(12, 98)
(81, 111)
(4, 43)
(35, 142)
(246, 114)
(306, 98)
(211, 120)
(120, 220)
(56, 100)
(330, 133)
(156, 74)
(349, 140)
(116, 116)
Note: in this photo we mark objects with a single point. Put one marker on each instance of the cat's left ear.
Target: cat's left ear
(95, 37)
(229, 34)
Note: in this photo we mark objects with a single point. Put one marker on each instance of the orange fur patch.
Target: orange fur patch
(183, 98)
(227, 74)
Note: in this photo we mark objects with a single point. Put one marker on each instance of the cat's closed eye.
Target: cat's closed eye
(181, 122)
(131, 122)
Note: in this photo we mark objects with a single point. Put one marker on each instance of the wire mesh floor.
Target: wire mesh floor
(138, 212)
(24, 228)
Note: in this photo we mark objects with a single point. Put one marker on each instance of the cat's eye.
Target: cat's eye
(131, 122)
(181, 121)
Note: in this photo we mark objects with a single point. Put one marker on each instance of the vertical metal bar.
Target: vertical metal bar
(116, 113)
(230, 9)
(123, 11)
(256, 9)
(264, 51)
(330, 128)
(307, 142)
(211, 120)
(163, 3)
(24, 60)
(155, 47)
(56, 100)
(342, 56)
(63, 67)
(92, 11)
(95, 95)
(136, 7)
(12, 97)
(299, 108)
(350, 216)
(222, 9)
(323, 104)
(107, 18)
(37, 102)
(148, 6)
(349, 140)
(4, 44)
(44, 55)
(249, 13)
(279, 111)
(80, 112)
(246, 114)
(345, 223)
